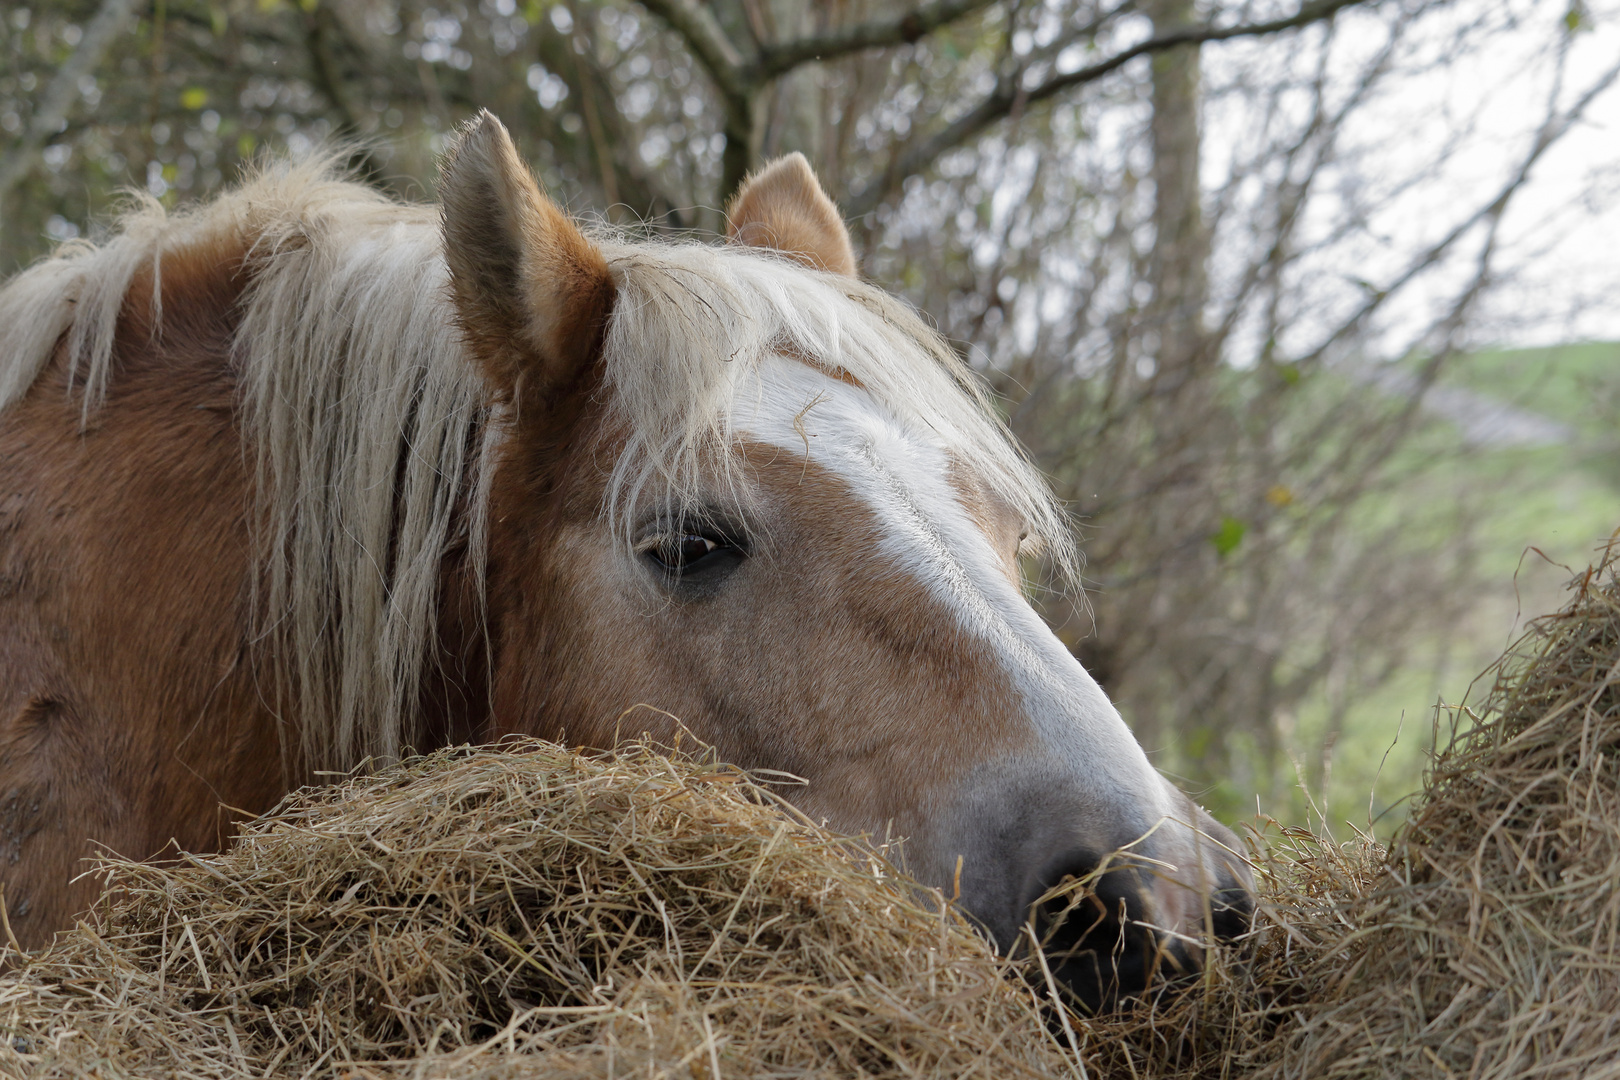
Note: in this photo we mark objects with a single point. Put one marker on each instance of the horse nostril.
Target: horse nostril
(1095, 942)
(1231, 912)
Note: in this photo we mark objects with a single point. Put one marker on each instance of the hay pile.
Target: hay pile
(538, 914)
(1490, 947)
(1484, 944)
(534, 914)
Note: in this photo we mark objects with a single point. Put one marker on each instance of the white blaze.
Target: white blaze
(901, 473)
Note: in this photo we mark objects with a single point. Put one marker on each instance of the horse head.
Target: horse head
(741, 488)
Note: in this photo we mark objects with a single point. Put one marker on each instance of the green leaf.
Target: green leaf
(1228, 536)
(193, 98)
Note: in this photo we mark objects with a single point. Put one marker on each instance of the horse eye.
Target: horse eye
(696, 556)
(677, 553)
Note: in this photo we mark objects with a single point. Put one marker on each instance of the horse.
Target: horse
(307, 477)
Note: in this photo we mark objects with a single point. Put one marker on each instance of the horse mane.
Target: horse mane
(364, 423)
(368, 425)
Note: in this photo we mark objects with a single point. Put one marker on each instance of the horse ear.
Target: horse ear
(782, 206)
(532, 294)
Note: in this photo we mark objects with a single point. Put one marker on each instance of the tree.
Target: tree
(352, 82)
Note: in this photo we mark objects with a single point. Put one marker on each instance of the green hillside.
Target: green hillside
(1541, 511)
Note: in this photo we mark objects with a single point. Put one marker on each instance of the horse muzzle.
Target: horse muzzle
(1125, 925)
(1119, 905)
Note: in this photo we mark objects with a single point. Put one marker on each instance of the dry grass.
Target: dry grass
(1484, 944)
(533, 912)
(1490, 947)
(539, 914)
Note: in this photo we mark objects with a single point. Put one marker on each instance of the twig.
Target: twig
(1010, 94)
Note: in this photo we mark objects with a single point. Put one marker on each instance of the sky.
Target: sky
(1560, 239)
(1568, 223)
(1470, 87)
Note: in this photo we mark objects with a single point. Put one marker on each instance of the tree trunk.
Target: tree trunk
(1181, 247)
(1170, 335)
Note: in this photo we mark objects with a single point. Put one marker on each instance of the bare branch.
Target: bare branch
(1555, 127)
(63, 90)
(709, 44)
(733, 76)
(779, 59)
(1009, 94)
